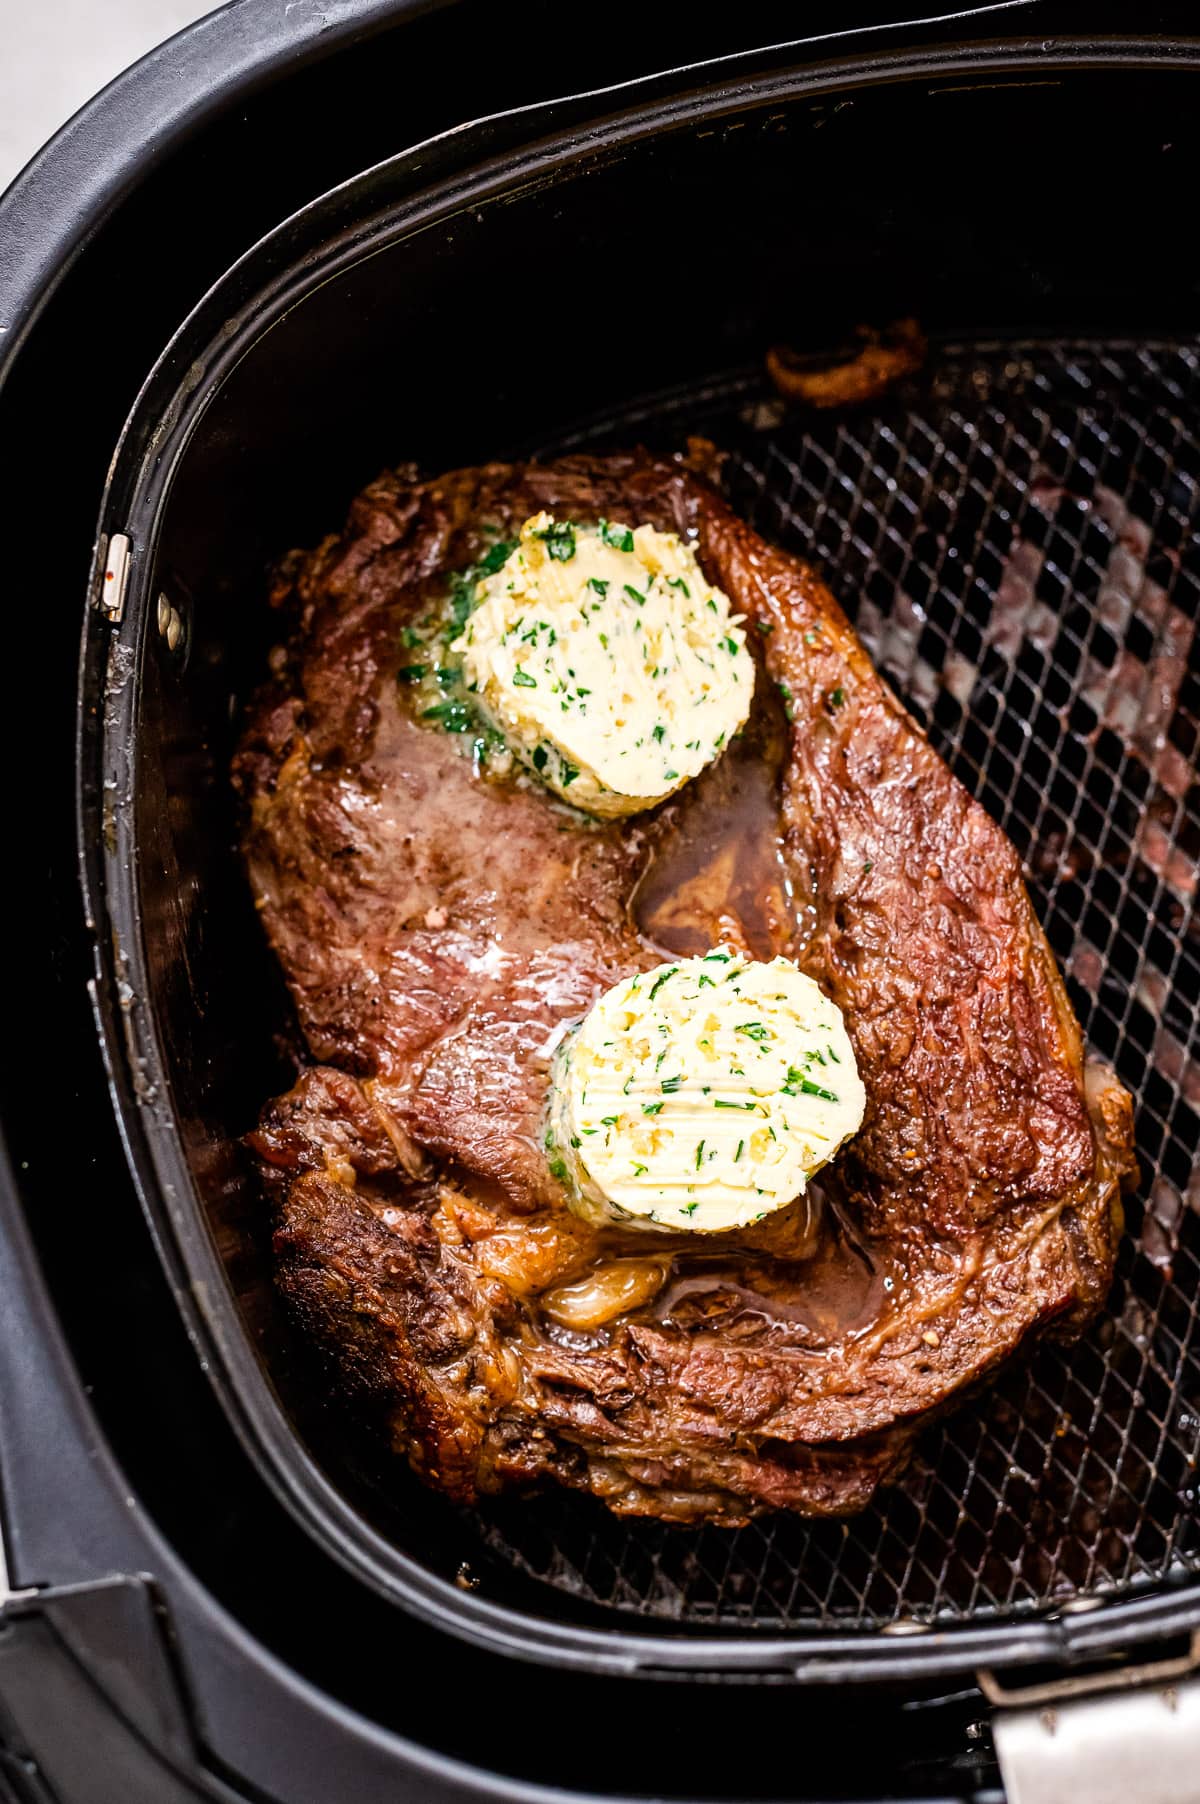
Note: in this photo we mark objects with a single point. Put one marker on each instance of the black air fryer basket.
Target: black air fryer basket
(1014, 532)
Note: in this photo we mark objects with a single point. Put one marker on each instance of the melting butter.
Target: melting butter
(702, 1095)
(606, 660)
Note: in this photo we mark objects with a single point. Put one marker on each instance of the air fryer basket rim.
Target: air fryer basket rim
(475, 162)
(177, 392)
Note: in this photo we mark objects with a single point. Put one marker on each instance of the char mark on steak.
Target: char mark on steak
(438, 930)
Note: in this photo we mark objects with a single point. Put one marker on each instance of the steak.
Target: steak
(439, 928)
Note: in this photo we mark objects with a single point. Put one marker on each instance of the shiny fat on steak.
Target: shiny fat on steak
(438, 932)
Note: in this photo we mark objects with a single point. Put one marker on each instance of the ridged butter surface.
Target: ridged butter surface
(608, 663)
(702, 1095)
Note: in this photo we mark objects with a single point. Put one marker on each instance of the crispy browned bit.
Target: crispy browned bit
(884, 357)
(704, 458)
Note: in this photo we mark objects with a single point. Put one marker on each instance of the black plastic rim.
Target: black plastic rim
(396, 199)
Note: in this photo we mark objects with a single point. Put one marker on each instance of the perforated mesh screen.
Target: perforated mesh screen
(1016, 537)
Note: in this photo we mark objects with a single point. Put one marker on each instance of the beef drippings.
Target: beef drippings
(801, 1276)
(836, 1294)
(717, 870)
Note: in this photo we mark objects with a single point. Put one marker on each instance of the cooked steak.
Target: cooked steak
(439, 927)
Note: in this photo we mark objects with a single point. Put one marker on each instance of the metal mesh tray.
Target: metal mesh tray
(1015, 537)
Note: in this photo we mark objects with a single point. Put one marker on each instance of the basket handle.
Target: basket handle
(1103, 1737)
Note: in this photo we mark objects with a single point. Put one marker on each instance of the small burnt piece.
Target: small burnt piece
(879, 359)
(440, 924)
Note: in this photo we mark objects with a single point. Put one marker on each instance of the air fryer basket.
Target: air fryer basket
(1015, 533)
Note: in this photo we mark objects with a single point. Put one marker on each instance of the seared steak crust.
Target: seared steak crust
(437, 931)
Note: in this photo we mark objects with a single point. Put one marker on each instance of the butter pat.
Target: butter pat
(608, 663)
(702, 1095)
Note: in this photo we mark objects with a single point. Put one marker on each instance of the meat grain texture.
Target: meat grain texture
(438, 930)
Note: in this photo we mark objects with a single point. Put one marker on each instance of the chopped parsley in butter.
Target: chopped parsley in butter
(611, 667)
(702, 1095)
